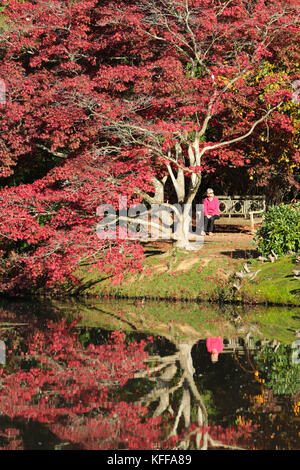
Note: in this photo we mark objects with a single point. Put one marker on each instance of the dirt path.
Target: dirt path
(225, 246)
(235, 245)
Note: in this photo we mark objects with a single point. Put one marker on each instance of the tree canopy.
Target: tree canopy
(136, 99)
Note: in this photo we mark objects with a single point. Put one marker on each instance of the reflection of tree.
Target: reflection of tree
(176, 373)
(164, 388)
(74, 389)
(175, 393)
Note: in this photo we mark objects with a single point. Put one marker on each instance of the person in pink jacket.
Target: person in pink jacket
(211, 211)
(214, 347)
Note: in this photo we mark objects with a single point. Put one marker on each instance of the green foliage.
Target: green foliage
(280, 231)
(195, 71)
(281, 375)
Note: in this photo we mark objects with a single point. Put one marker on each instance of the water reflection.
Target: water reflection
(140, 376)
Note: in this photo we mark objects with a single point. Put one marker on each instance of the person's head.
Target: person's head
(210, 192)
(214, 356)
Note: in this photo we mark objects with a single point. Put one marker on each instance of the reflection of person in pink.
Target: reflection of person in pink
(215, 347)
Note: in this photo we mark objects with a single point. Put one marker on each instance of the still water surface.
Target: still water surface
(104, 374)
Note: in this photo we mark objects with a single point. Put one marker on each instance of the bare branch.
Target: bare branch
(244, 136)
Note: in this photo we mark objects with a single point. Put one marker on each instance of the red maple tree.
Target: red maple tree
(134, 99)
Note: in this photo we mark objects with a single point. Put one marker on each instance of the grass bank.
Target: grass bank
(275, 283)
(205, 275)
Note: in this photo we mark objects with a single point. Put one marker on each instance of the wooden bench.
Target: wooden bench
(241, 210)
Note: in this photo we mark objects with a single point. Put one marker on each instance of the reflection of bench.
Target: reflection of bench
(241, 210)
(239, 345)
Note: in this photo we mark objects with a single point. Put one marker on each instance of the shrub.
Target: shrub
(280, 231)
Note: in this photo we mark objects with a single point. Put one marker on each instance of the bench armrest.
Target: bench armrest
(251, 214)
(256, 212)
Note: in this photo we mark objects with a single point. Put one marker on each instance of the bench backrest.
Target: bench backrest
(241, 205)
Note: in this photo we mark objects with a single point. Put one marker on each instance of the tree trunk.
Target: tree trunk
(182, 234)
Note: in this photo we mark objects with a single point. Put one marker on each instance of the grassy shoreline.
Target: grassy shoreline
(199, 276)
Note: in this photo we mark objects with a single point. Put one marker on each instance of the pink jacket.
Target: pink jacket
(214, 343)
(211, 207)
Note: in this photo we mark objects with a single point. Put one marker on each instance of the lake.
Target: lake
(98, 374)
